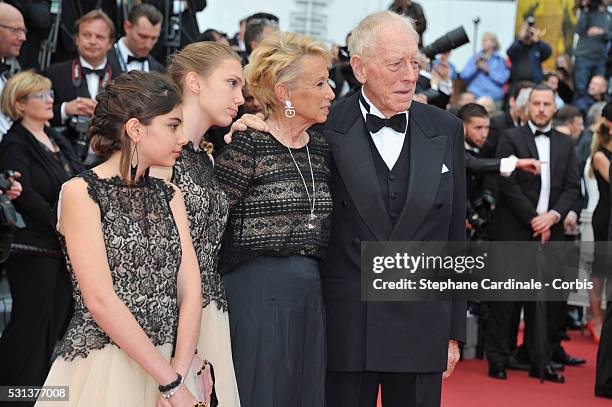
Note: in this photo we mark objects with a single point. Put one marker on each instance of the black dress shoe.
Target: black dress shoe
(570, 360)
(515, 364)
(548, 374)
(497, 372)
(559, 367)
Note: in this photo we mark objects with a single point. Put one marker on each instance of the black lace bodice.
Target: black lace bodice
(269, 205)
(144, 254)
(207, 208)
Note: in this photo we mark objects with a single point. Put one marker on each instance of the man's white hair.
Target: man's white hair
(363, 38)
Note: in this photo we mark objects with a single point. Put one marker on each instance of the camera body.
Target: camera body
(10, 219)
(80, 125)
(593, 5)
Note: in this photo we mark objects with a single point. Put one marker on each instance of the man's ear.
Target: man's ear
(134, 130)
(359, 68)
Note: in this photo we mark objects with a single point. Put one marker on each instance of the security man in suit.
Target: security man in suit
(77, 82)
(530, 208)
(133, 51)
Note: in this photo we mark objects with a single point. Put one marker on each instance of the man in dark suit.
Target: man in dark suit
(480, 202)
(532, 208)
(189, 29)
(397, 175)
(132, 51)
(77, 82)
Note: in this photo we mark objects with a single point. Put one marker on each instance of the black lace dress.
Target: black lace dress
(144, 254)
(207, 209)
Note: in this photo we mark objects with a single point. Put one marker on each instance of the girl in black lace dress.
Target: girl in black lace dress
(135, 274)
(203, 69)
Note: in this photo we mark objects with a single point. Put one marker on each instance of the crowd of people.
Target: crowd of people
(281, 157)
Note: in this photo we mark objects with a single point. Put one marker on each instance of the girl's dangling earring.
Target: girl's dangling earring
(134, 167)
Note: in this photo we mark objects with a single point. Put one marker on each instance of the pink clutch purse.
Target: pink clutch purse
(204, 378)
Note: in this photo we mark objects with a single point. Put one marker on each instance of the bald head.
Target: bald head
(12, 31)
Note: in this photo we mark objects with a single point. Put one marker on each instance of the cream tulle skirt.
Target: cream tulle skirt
(108, 377)
(215, 345)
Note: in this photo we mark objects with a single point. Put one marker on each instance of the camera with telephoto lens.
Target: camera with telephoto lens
(10, 219)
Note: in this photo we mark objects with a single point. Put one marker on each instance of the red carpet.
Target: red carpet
(471, 387)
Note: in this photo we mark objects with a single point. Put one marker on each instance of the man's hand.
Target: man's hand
(81, 107)
(570, 223)
(15, 190)
(529, 165)
(543, 223)
(453, 358)
(254, 121)
(595, 31)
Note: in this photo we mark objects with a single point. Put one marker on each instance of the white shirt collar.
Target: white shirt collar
(85, 64)
(123, 49)
(534, 128)
(373, 109)
(469, 147)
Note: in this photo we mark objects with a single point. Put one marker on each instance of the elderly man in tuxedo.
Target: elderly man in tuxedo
(397, 175)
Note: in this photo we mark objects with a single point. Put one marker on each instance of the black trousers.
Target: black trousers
(360, 389)
(42, 302)
(603, 375)
(500, 334)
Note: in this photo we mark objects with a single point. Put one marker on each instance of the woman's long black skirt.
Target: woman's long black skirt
(277, 326)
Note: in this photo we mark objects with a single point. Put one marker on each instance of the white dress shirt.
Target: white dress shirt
(543, 147)
(506, 165)
(388, 142)
(123, 53)
(93, 85)
(5, 122)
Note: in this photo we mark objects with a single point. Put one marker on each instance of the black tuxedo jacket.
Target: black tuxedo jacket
(113, 60)
(519, 193)
(391, 336)
(65, 91)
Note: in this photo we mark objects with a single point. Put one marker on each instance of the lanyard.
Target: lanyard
(77, 75)
(122, 61)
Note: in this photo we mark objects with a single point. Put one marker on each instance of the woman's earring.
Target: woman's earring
(289, 109)
(134, 167)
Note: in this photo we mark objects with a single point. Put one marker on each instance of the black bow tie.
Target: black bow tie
(99, 72)
(375, 123)
(132, 58)
(397, 123)
(543, 133)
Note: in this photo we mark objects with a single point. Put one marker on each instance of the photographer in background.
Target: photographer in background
(526, 54)
(77, 82)
(486, 73)
(594, 29)
(37, 275)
